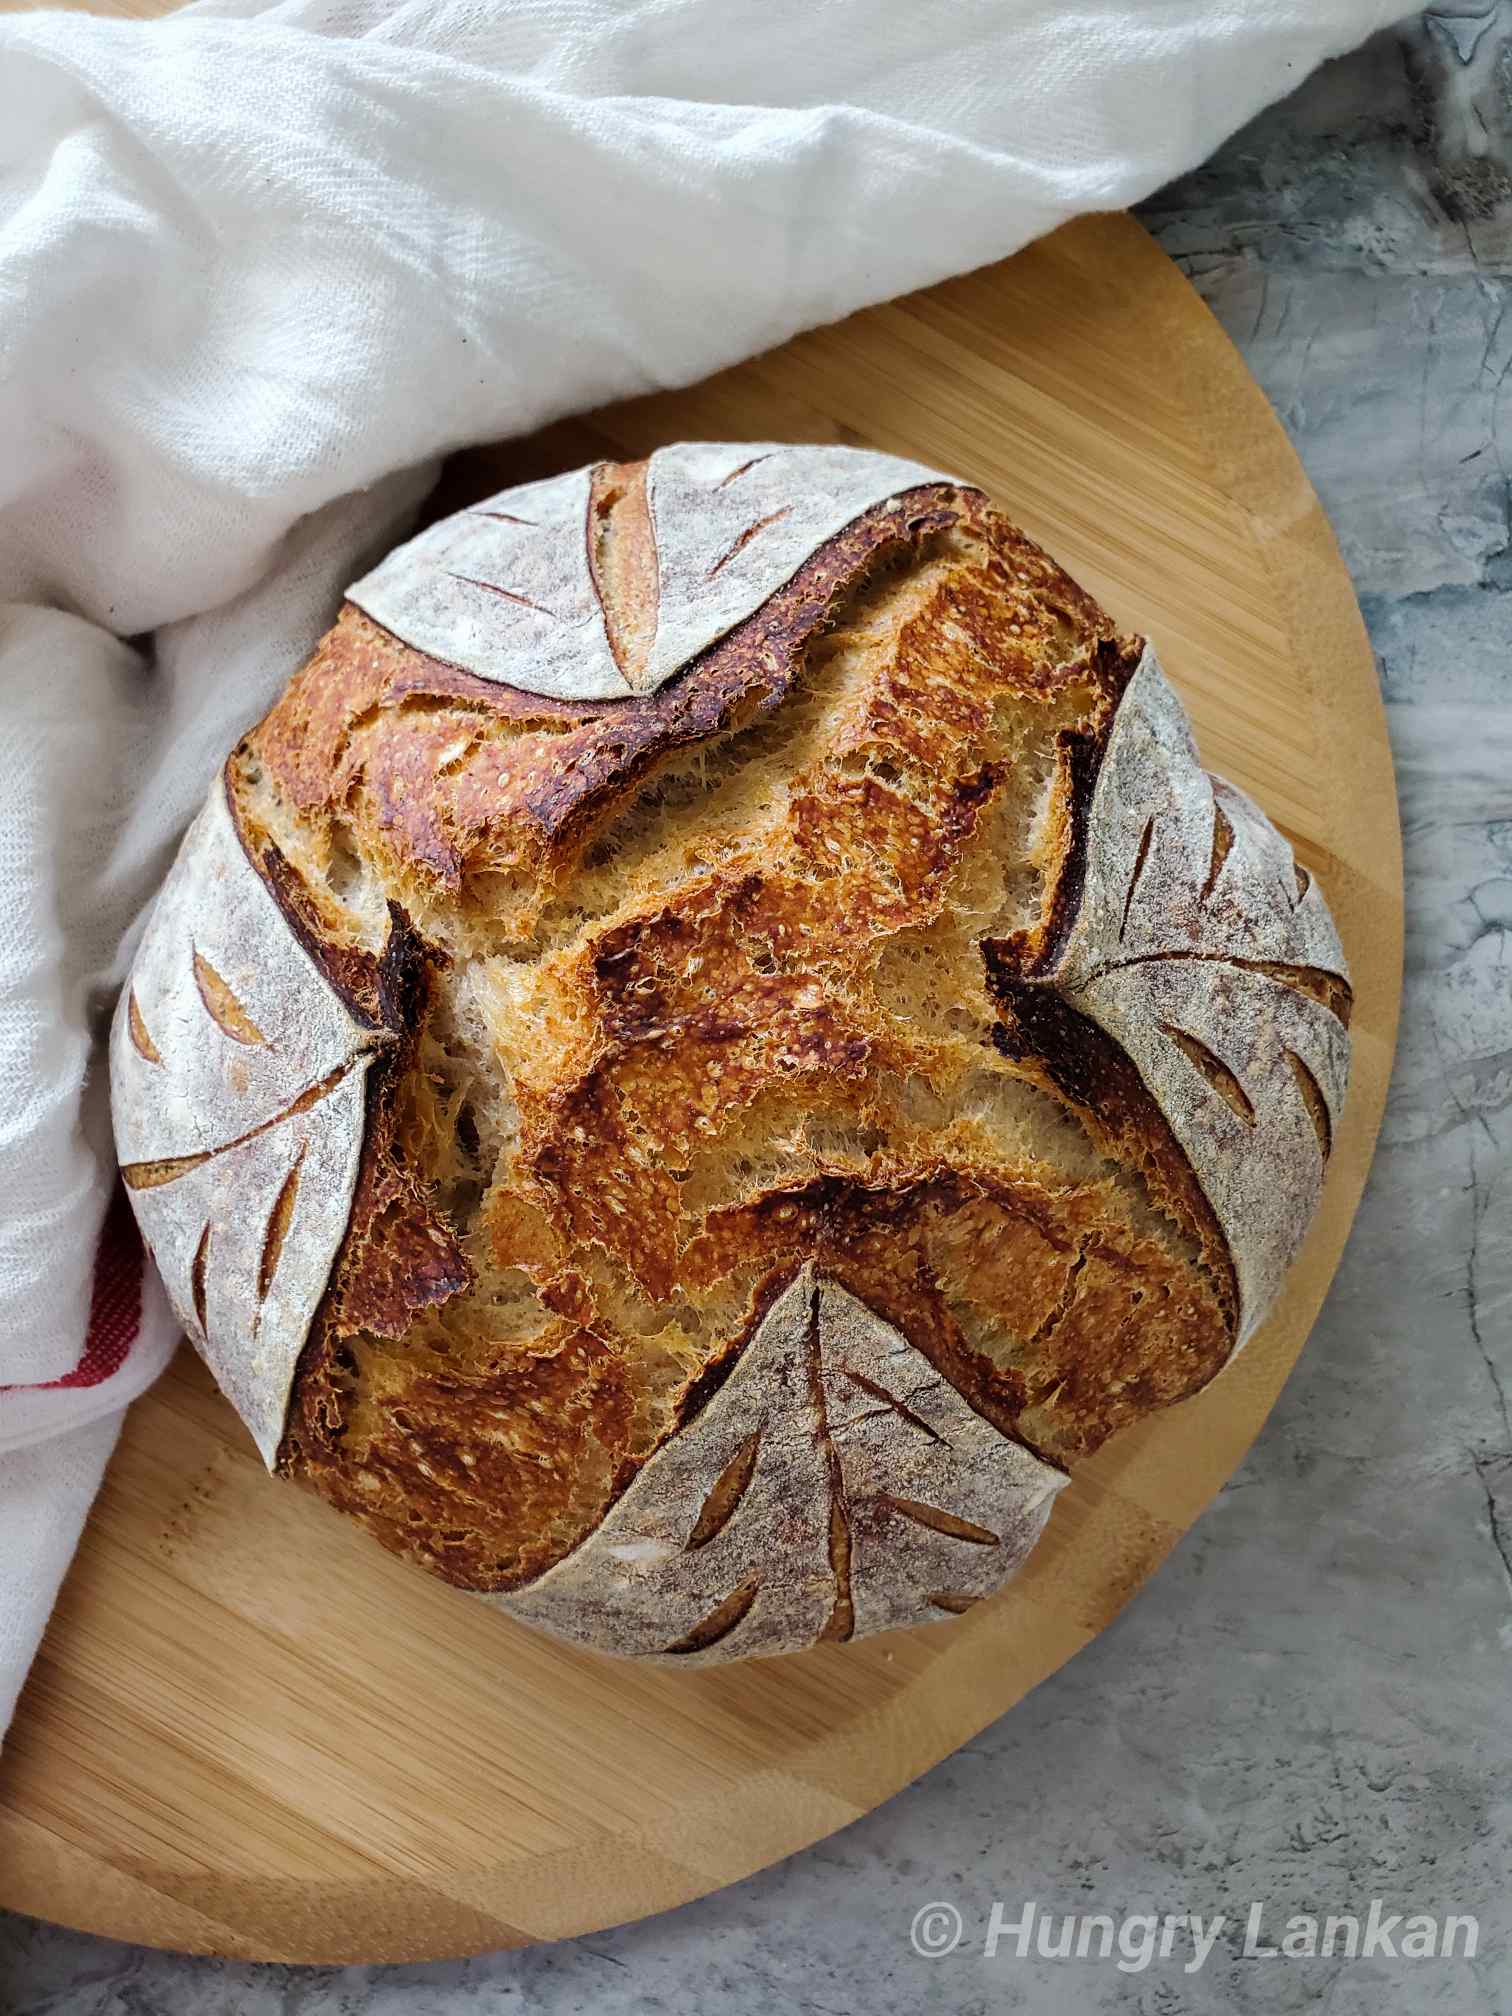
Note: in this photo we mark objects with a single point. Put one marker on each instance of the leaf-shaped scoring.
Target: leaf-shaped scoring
(239, 1117)
(509, 590)
(836, 1469)
(1211, 959)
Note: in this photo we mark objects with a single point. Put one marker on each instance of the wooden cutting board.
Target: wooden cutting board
(251, 1732)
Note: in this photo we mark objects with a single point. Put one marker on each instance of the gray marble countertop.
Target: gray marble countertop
(1309, 1707)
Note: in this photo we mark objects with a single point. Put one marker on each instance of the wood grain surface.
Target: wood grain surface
(252, 1732)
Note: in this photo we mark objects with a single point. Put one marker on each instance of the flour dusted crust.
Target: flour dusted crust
(242, 1111)
(1212, 961)
(239, 1083)
(724, 525)
(813, 1053)
(834, 1485)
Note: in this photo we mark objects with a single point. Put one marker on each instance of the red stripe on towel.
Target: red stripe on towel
(115, 1307)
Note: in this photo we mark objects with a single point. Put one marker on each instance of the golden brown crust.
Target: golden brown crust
(370, 716)
(738, 1018)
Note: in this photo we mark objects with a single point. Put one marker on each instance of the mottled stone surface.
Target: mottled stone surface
(1311, 1704)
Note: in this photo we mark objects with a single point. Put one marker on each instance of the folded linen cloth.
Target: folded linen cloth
(255, 259)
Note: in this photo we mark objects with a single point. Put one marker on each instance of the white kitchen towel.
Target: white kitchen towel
(256, 259)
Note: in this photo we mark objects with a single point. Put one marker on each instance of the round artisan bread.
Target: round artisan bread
(716, 1040)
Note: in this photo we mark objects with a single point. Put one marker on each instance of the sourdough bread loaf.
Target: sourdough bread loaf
(714, 1043)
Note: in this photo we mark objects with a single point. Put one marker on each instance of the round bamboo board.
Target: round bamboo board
(251, 1732)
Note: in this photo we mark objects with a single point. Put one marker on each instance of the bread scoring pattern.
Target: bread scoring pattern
(852, 1489)
(706, 532)
(238, 1078)
(1209, 957)
(878, 963)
